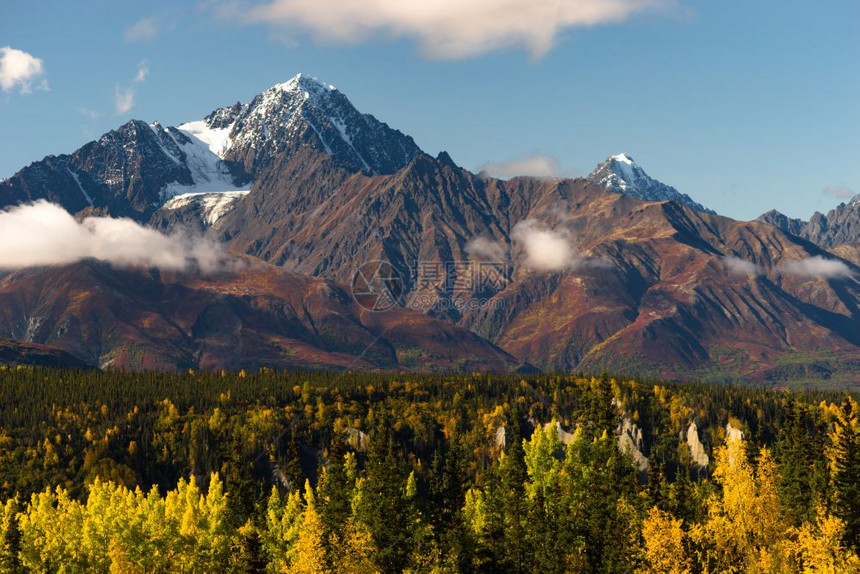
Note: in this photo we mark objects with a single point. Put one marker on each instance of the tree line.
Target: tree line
(355, 472)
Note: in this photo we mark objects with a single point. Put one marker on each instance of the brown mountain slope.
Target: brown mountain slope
(260, 316)
(664, 292)
(663, 288)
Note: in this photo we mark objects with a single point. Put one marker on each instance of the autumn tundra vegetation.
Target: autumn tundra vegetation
(351, 472)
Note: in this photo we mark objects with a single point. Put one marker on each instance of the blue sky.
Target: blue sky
(745, 106)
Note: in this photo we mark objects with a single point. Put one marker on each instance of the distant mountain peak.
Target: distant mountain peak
(303, 111)
(623, 158)
(619, 173)
(304, 83)
(840, 225)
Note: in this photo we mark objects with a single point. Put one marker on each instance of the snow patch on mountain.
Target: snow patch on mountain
(621, 174)
(208, 171)
(213, 206)
(81, 187)
(217, 139)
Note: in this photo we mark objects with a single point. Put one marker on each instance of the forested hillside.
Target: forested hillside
(316, 472)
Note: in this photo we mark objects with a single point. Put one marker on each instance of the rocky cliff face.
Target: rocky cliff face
(840, 226)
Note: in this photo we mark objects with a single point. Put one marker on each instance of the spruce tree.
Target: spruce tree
(10, 544)
(795, 454)
(846, 470)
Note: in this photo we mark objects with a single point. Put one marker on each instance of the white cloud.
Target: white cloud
(123, 99)
(486, 249)
(446, 29)
(123, 96)
(145, 29)
(45, 234)
(817, 266)
(22, 71)
(738, 266)
(546, 249)
(537, 165)
(88, 113)
(838, 191)
(142, 72)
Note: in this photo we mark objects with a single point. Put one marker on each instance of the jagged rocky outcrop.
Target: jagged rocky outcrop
(840, 226)
(630, 443)
(697, 449)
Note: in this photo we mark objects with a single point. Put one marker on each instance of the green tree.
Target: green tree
(381, 504)
(845, 470)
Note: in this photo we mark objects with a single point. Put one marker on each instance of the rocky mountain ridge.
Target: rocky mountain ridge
(840, 226)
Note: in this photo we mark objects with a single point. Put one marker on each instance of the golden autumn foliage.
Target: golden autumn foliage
(359, 473)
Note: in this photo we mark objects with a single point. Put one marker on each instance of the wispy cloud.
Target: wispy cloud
(142, 72)
(123, 99)
(123, 96)
(817, 266)
(145, 29)
(88, 113)
(738, 266)
(45, 234)
(445, 29)
(838, 191)
(21, 71)
(486, 249)
(537, 165)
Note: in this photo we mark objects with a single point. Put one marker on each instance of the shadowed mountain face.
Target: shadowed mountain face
(259, 316)
(14, 353)
(617, 271)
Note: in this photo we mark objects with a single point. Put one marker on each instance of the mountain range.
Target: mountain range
(616, 271)
(840, 226)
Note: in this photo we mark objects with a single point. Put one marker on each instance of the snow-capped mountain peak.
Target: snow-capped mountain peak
(306, 85)
(303, 111)
(621, 174)
(623, 158)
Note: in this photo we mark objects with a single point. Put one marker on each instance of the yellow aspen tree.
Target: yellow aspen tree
(665, 552)
(819, 548)
(310, 547)
(743, 530)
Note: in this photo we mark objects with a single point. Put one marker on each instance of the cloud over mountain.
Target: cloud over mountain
(816, 266)
(537, 165)
(45, 234)
(546, 249)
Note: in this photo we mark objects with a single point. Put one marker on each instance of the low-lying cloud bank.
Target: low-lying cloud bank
(817, 266)
(532, 165)
(738, 266)
(43, 233)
